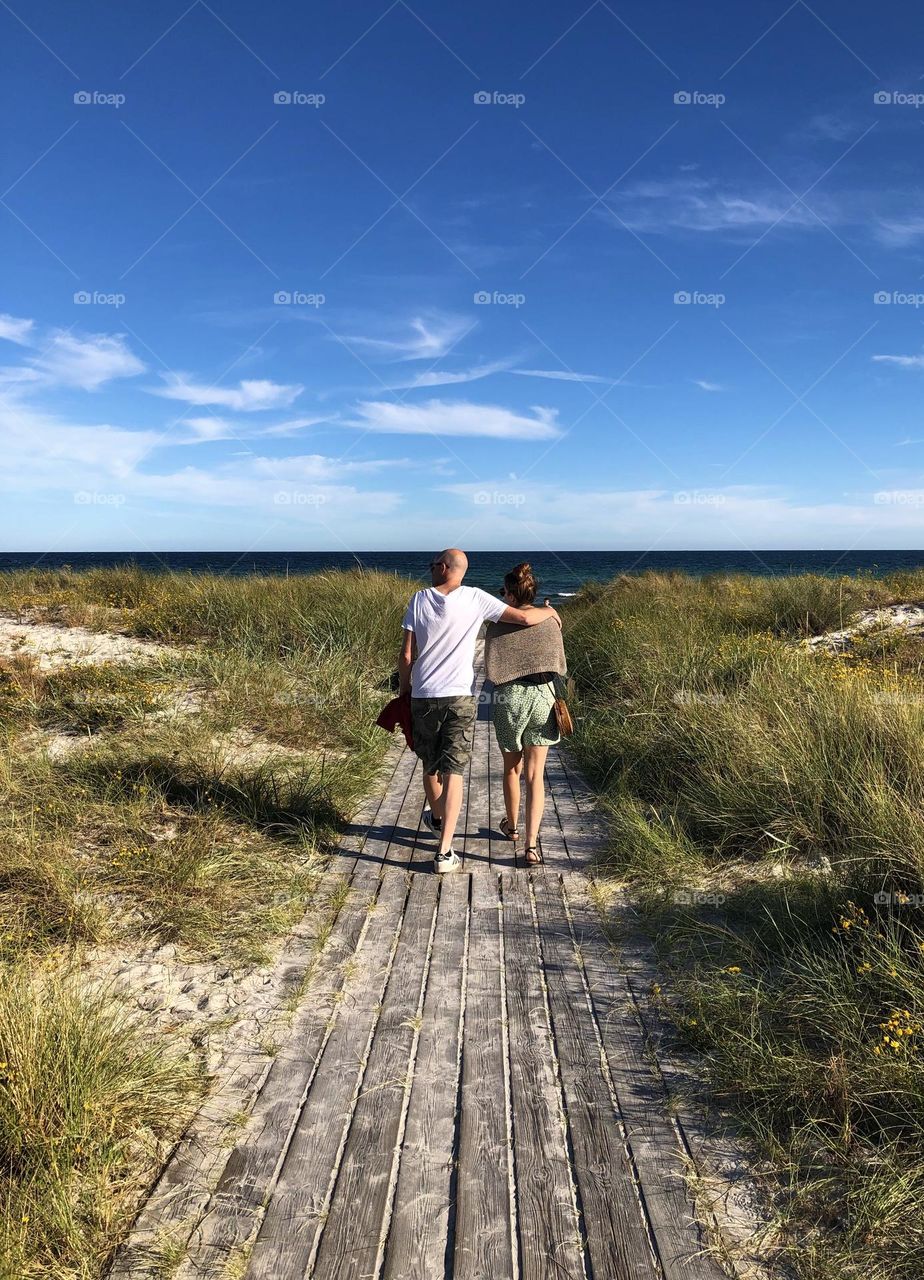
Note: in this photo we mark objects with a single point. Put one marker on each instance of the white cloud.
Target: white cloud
(456, 418)
(249, 396)
(15, 330)
(565, 375)
(698, 204)
(86, 362)
(428, 340)
(206, 430)
(899, 232)
(434, 378)
(903, 362)
(707, 386)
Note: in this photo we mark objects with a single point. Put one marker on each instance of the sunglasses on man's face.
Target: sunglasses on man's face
(437, 564)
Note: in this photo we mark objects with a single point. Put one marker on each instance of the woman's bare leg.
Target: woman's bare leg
(513, 767)
(534, 759)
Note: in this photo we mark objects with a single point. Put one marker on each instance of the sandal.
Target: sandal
(536, 860)
(507, 830)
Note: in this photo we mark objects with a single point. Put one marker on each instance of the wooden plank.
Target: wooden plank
(616, 1229)
(503, 851)
(658, 1151)
(550, 1242)
(582, 836)
(186, 1185)
(236, 1207)
(352, 1240)
(484, 1239)
(288, 1235)
(373, 850)
(585, 797)
(417, 1240)
(402, 845)
(477, 840)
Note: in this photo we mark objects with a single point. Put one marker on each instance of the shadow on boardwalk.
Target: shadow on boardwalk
(465, 1092)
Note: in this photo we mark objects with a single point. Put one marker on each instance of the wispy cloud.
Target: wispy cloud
(565, 375)
(249, 396)
(699, 204)
(14, 329)
(707, 386)
(456, 418)
(88, 362)
(207, 430)
(436, 378)
(429, 339)
(903, 362)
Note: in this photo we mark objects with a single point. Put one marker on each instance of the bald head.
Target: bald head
(449, 567)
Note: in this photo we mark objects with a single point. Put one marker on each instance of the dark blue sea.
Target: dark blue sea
(560, 573)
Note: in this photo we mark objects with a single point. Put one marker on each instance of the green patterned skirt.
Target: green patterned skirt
(524, 716)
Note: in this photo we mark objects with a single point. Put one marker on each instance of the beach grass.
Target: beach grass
(766, 802)
(187, 796)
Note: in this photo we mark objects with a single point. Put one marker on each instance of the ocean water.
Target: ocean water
(560, 573)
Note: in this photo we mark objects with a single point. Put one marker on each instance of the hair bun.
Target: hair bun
(521, 582)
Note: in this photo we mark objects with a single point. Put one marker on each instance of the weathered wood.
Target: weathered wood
(477, 837)
(373, 843)
(658, 1151)
(416, 1246)
(288, 1235)
(250, 1172)
(406, 846)
(581, 833)
(466, 1091)
(617, 1232)
(484, 1226)
(550, 1242)
(353, 1236)
(185, 1186)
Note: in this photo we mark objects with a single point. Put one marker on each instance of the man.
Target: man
(436, 666)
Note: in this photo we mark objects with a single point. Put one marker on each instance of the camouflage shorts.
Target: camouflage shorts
(444, 731)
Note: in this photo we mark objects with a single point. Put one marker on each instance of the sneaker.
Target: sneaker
(448, 861)
(433, 824)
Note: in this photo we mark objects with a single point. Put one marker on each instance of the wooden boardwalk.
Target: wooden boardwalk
(466, 1091)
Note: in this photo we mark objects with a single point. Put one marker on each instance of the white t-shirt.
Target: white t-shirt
(446, 628)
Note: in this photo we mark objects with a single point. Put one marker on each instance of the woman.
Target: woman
(522, 663)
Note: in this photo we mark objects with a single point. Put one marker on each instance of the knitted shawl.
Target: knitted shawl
(512, 651)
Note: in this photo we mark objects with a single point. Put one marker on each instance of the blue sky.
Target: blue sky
(504, 275)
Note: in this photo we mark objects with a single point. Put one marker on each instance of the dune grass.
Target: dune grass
(189, 798)
(766, 806)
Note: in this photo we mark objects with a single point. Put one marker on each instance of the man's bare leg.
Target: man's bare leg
(433, 790)
(452, 804)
